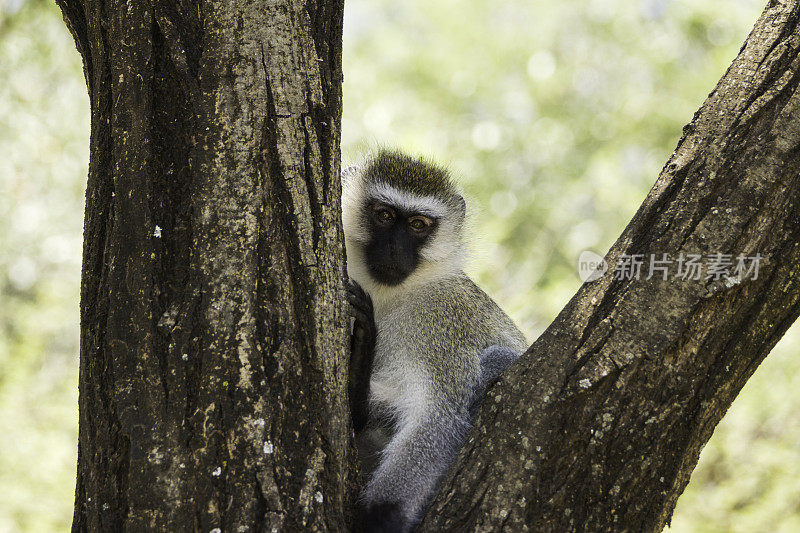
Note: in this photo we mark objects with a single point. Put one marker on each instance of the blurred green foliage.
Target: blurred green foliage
(44, 136)
(556, 117)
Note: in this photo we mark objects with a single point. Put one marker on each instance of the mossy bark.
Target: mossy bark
(213, 326)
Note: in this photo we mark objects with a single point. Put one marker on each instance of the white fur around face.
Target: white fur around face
(352, 202)
(425, 205)
(442, 255)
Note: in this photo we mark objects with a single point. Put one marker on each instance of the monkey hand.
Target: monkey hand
(362, 351)
(385, 518)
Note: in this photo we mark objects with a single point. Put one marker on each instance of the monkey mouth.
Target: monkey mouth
(391, 275)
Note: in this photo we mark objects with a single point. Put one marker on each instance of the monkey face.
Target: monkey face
(396, 238)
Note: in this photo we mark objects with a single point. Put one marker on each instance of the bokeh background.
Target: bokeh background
(555, 116)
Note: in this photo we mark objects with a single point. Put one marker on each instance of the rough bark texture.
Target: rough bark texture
(600, 424)
(213, 328)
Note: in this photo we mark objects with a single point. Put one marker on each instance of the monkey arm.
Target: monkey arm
(494, 361)
(362, 352)
(412, 465)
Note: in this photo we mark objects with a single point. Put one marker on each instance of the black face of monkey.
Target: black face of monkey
(396, 237)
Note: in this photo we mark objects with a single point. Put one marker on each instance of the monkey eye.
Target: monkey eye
(420, 224)
(383, 214)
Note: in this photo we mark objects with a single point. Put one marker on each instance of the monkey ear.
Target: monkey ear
(462, 205)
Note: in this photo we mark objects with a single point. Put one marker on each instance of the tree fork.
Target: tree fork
(599, 426)
(213, 342)
(213, 328)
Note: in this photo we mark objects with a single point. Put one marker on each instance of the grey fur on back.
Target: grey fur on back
(447, 351)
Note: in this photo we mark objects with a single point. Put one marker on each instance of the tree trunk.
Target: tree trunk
(213, 344)
(213, 328)
(601, 423)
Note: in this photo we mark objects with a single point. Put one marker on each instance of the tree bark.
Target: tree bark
(213, 333)
(599, 426)
(213, 327)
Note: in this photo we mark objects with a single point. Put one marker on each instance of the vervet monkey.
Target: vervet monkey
(427, 341)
